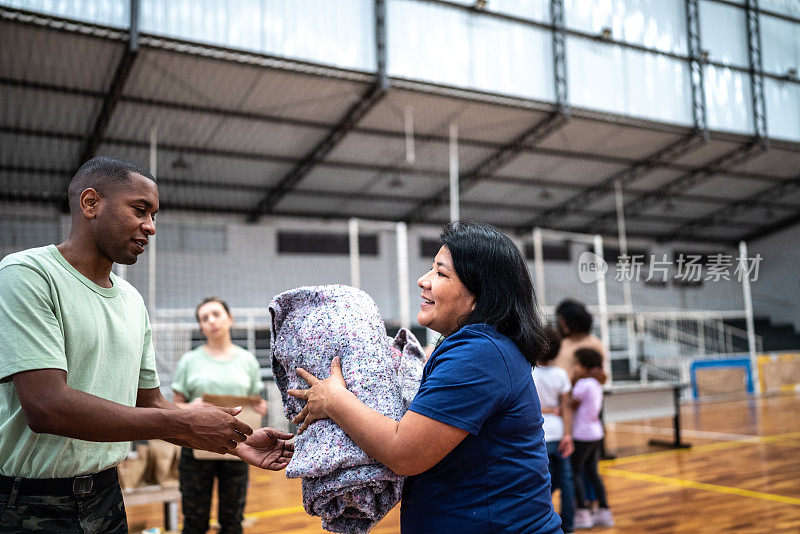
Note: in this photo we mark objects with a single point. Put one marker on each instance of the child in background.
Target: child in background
(587, 432)
(553, 386)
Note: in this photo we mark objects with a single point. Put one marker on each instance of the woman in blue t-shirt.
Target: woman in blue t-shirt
(471, 443)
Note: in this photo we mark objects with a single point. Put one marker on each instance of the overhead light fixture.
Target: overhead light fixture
(180, 164)
(480, 5)
(606, 34)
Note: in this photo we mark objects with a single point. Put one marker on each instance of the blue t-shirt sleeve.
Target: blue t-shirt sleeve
(467, 383)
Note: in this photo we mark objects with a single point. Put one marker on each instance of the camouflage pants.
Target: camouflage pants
(98, 512)
(197, 483)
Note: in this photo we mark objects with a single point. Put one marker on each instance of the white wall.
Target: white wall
(250, 271)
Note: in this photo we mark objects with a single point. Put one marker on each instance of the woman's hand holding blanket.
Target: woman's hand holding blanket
(321, 396)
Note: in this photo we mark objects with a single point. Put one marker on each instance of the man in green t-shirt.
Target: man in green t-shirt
(77, 367)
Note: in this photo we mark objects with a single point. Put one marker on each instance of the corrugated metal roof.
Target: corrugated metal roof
(724, 187)
(536, 198)
(204, 131)
(66, 59)
(32, 182)
(241, 128)
(392, 151)
(554, 168)
(707, 153)
(341, 180)
(18, 150)
(607, 139)
(42, 110)
(433, 114)
(198, 81)
(773, 162)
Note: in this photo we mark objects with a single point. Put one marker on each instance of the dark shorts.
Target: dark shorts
(100, 511)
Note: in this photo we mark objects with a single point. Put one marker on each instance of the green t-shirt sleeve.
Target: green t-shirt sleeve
(30, 334)
(179, 380)
(148, 376)
(255, 374)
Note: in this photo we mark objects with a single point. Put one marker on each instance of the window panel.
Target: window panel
(538, 10)
(783, 109)
(340, 33)
(780, 45)
(723, 33)
(729, 104)
(450, 46)
(628, 82)
(104, 12)
(658, 24)
(785, 7)
(325, 243)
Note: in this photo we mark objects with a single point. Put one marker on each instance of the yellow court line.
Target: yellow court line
(778, 438)
(788, 442)
(755, 440)
(275, 512)
(676, 452)
(643, 477)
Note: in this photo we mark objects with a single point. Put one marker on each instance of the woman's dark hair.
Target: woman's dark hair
(206, 301)
(492, 268)
(553, 345)
(593, 362)
(575, 315)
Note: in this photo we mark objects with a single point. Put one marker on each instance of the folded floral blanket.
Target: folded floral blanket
(349, 490)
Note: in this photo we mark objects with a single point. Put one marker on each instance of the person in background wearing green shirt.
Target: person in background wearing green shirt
(217, 367)
(77, 367)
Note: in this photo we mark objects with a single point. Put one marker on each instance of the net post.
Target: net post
(748, 307)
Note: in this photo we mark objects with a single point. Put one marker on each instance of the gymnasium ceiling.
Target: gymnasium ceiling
(254, 137)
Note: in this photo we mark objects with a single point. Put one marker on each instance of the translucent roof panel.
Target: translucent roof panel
(340, 34)
(104, 12)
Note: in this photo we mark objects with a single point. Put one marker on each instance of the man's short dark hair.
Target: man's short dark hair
(100, 173)
(575, 315)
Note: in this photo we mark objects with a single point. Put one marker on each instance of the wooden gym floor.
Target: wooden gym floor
(741, 475)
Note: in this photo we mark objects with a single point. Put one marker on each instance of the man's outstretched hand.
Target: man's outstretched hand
(267, 448)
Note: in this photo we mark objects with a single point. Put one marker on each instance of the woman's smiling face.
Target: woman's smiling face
(445, 299)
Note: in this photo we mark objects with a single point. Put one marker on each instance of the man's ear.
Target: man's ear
(89, 201)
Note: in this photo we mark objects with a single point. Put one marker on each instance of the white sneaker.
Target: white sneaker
(583, 518)
(603, 518)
